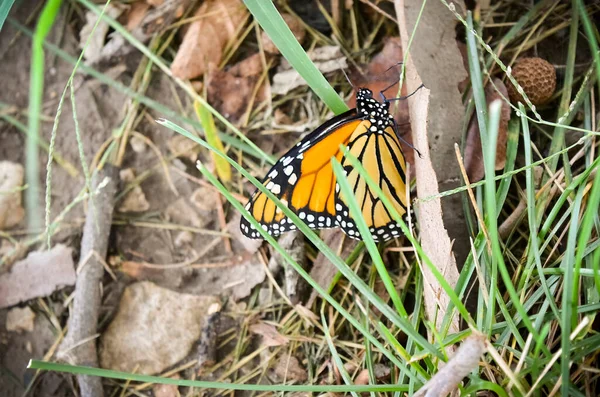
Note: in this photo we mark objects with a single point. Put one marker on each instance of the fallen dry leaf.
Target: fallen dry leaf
(270, 336)
(135, 200)
(165, 391)
(96, 33)
(473, 151)
(180, 145)
(153, 329)
(230, 90)
(38, 275)
(234, 276)
(205, 198)
(218, 21)
(135, 14)
(288, 368)
(327, 59)
(233, 228)
(381, 372)
(182, 213)
(11, 181)
(20, 319)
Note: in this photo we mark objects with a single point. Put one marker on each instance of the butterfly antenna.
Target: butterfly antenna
(406, 96)
(348, 79)
(384, 99)
(395, 126)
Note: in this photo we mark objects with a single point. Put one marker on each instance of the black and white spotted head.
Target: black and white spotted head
(373, 110)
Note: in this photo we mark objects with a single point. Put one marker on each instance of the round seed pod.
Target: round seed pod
(537, 77)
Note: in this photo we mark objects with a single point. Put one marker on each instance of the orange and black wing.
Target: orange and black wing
(381, 156)
(303, 180)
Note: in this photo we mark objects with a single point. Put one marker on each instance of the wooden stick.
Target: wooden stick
(79, 347)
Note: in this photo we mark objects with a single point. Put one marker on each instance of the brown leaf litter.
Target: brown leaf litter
(20, 319)
(231, 91)
(11, 183)
(473, 150)
(217, 23)
(154, 328)
(327, 59)
(270, 336)
(289, 368)
(38, 275)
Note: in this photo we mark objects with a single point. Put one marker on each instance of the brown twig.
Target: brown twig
(79, 347)
(435, 238)
(460, 365)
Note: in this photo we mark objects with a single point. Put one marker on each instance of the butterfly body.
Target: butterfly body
(303, 178)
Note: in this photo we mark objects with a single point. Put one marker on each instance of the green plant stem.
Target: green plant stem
(36, 92)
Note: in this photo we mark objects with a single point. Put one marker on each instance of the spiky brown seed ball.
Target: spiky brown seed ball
(537, 77)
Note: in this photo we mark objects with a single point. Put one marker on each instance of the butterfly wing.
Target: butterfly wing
(303, 180)
(381, 156)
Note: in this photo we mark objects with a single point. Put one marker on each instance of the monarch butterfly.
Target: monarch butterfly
(303, 178)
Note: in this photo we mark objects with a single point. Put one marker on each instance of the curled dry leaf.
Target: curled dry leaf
(270, 336)
(217, 23)
(230, 91)
(96, 33)
(288, 368)
(473, 151)
(135, 14)
(327, 59)
(381, 372)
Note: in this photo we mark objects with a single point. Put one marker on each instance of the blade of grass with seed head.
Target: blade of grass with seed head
(36, 92)
(270, 20)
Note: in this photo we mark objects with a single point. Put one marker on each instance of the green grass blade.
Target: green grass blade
(361, 224)
(273, 24)
(534, 247)
(36, 92)
(110, 374)
(336, 357)
(5, 7)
